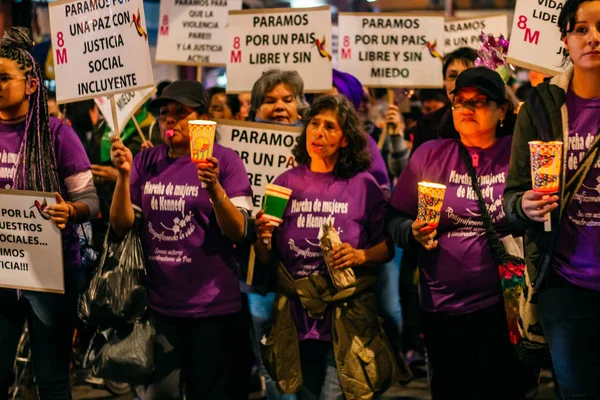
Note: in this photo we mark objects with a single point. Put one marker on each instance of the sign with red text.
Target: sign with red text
(392, 50)
(288, 39)
(31, 253)
(100, 48)
(127, 104)
(265, 149)
(535, 39)
(467, 32)
(194, 32)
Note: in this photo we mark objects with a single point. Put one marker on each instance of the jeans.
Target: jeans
(387, 291)
(261, 308)
(319, 373)
(570, 317)
(51, 319)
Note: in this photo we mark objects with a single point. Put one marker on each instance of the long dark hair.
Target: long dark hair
(355, 157)
(36, 167)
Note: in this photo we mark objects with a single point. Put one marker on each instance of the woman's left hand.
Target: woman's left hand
(59, 212)
(208, 173)
(346, 256)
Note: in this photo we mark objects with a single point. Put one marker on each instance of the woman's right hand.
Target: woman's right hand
(425, 235)
(264, 229)
(536, 207)
(394, 117)
(147, 145)
(120, 155)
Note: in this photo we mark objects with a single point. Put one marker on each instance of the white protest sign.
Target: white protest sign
(535, 39)
(31, 255)
(265, 149)
(127, 104)
(194, 32)
(287, 39)
(467, 32)
(392, 50)
(101, 48)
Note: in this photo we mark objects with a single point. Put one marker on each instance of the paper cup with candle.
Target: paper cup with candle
(202, 139)
(274, 203)
(546, 168)
(430, 200)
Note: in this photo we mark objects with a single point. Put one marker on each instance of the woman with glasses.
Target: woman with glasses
(40, 154)
(463, 318)
(193, 214)
(564, 264)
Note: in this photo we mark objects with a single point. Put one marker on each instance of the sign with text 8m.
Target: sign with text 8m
(100, 48)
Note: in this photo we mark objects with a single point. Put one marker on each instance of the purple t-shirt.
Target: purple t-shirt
(460, 275)
(70, 158)
(577, 254)
(192, 270)
(377, 168)
(357, 208)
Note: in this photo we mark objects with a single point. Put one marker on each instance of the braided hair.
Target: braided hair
(36, 167)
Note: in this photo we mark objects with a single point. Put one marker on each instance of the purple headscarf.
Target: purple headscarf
(349, 86)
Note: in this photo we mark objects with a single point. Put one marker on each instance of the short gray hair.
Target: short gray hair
(268, 81)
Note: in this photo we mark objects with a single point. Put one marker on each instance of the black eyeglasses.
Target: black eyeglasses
(473, 104)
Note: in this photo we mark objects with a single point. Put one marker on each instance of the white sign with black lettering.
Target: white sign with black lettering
(535, 38)
(265, 149)
(467, 32)
(288, 39)
(127, 104)
(194, 32)
(100, 48)
(31, 254)
(392, 50)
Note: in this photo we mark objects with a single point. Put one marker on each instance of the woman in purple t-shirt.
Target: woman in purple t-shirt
(188, 237)
(564, 264)
(464, 323)
(40, 154)
(330, 184)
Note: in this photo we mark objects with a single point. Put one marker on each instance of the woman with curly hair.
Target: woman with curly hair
(332, 329)
(41, 154)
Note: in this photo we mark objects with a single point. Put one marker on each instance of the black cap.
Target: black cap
(189, 93)
(487, 81)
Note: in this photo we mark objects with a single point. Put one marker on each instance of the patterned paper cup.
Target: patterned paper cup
(431, 198)
(545, 165)
(202, 139)
(274, 203)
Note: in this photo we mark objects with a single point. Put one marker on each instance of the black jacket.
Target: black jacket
(543, 117)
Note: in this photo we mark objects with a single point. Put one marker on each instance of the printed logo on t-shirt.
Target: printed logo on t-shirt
(168, 205)
(8, 162)
(588, 196)
(470, 221)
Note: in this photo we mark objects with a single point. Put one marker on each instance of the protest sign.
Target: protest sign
(126, 103)
(288, 39)
(535, 39)
(392, 50)
(100, 48)
(265, 149)
(467, 32)
(194, 32)
(31, 255)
